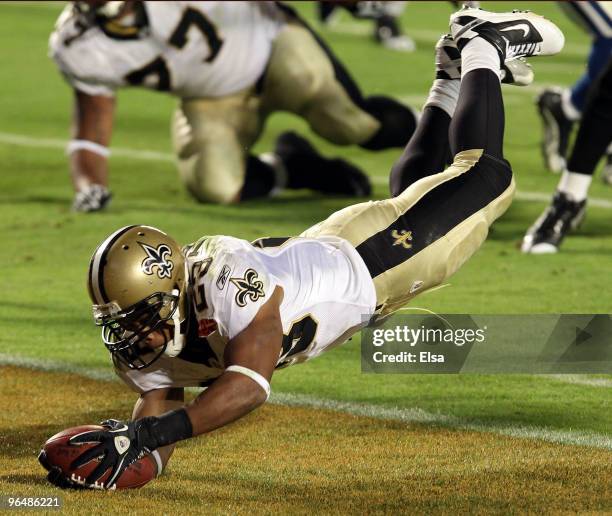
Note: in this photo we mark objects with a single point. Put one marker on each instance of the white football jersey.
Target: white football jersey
(191, 49)
(328, 295)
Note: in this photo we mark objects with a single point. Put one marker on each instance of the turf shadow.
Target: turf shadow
(26, 479)
(38, 199)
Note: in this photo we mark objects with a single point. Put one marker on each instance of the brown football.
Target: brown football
(58, 453)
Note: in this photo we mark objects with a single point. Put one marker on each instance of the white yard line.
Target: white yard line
(512, 94)
(53, 143)
(405, 415)
(149, 155)
(579, 379)
(525, 196)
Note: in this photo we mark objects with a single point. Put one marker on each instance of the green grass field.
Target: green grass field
(45, 312)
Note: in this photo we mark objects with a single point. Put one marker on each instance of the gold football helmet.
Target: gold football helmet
(136, 283)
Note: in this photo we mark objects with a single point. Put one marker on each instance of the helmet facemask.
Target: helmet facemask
(124, 332)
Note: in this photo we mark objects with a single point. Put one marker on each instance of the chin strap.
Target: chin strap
(176, 345)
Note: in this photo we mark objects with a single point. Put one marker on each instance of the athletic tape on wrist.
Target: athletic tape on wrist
(158, 461)
(96, 148)
(253, 375)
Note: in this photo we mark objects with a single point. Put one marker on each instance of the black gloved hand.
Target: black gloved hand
(120, 444)
(57, 478)
(56, 475)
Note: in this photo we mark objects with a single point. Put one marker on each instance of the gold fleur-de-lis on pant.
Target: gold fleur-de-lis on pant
(402, 238)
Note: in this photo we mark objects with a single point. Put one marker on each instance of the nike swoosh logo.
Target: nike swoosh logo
(521, 26)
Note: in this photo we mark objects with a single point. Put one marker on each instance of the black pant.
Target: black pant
(595, 131)
(478, 123)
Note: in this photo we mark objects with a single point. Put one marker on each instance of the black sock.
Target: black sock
(427, 152)
(478, 122)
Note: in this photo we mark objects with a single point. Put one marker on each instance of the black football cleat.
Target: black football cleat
(562, 216)
(557, 129)
(306, 168)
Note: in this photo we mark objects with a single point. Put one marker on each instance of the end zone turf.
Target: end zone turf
(287, 459)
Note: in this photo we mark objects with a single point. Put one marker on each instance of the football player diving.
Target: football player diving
(225, 313)
(231, 64)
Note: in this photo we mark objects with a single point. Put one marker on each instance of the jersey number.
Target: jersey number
(159, 68)
(198, 270)
(156, 68)
(208, 30)
(300, 336)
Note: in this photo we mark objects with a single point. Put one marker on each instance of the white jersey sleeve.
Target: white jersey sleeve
(79, 57)
(235, 284)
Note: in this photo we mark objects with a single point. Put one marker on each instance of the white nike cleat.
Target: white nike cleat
(448, 64)
(517, 71)
(514, 34)
(448, 58)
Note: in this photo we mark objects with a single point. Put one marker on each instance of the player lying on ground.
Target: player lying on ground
(568, 206)
(231, 64)
(225, 313)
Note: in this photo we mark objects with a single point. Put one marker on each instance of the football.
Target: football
(57, 452)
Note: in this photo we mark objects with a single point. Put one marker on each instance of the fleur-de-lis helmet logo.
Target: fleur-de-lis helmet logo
(157, 260)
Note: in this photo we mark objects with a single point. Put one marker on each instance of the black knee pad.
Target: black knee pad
(398, 122)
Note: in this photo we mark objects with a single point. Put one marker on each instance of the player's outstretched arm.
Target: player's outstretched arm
(235, 393)
(250, 359)
(156, 403)
(92, 127)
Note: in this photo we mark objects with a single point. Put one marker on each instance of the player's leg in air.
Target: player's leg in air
(439, 218)
(561, 108)
(568, 204)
